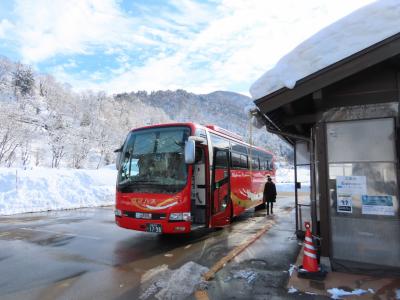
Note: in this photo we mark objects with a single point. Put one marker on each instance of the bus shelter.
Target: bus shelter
(343, 122)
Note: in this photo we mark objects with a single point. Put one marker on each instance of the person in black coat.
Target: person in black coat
(269, 194)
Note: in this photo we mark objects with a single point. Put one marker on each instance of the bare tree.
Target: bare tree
(25, 152)
(58, 152)
(80, 151)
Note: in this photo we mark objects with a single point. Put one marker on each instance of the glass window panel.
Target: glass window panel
(239, 148)
(153, 158)
(235, 160)
(144, 143)
(302, 153)
(243, 161)
(362, 140)
(380, 177)
(221, 160)
(366, 240)
(219, 142)
(361, 237)
(255, 165)
(170, 141)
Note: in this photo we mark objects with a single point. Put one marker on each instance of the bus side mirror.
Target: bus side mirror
(190, 147)
(118, 158)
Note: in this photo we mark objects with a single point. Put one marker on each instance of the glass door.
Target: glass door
(221, 204)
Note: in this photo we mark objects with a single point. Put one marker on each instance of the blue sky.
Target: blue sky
(123, 46)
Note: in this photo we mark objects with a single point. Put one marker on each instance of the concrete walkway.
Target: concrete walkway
(266, 270)
(262, 270)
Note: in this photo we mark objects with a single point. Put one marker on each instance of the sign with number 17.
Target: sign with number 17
(344, 204)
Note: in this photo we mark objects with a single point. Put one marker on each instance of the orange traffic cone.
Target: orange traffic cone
(310, 268)
(310, 263)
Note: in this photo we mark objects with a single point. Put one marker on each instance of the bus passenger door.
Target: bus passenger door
(220, 188)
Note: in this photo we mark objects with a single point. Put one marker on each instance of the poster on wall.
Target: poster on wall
(377, 205)
(348, 187)
(344, 204)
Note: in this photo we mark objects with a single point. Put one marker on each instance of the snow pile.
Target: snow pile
(292, 269)
(292, 290)
(355, 32)
(163, 283)
(43, 189)
(339, 293)
(248, 275)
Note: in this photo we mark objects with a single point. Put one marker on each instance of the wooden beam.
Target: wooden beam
(300, 119)
(323, 188)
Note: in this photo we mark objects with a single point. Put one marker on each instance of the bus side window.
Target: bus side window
(254, 163)
(262, 163)
(235, 160)
(243, 161)
(221, 160)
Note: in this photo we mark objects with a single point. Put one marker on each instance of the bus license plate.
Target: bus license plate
(153, 228)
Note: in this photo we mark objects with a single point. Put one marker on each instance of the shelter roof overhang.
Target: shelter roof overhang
(301, 102)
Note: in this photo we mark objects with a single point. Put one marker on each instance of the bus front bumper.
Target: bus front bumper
(147, 225)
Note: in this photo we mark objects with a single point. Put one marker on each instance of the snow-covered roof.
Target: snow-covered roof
(349, 35)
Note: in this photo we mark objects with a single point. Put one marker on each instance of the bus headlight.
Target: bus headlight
(118, 212)
(180, 216)
(186, 216)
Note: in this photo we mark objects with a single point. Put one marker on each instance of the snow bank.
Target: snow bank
(355, 32)
(163, 283)
(43, 189)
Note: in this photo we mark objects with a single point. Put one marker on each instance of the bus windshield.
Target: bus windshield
(153, 159)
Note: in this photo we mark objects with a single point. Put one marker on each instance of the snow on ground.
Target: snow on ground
(339, 293)
(248, 275)
(355, 32)
(163, 283)
(42, 189)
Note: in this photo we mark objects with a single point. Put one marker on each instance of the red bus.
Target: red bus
(173, 178)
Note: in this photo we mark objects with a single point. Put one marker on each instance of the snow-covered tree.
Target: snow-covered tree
(23, 80)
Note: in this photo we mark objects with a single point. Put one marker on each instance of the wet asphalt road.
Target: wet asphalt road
(82, 254)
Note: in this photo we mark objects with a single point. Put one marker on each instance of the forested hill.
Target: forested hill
(225, 109)
(46, 123)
